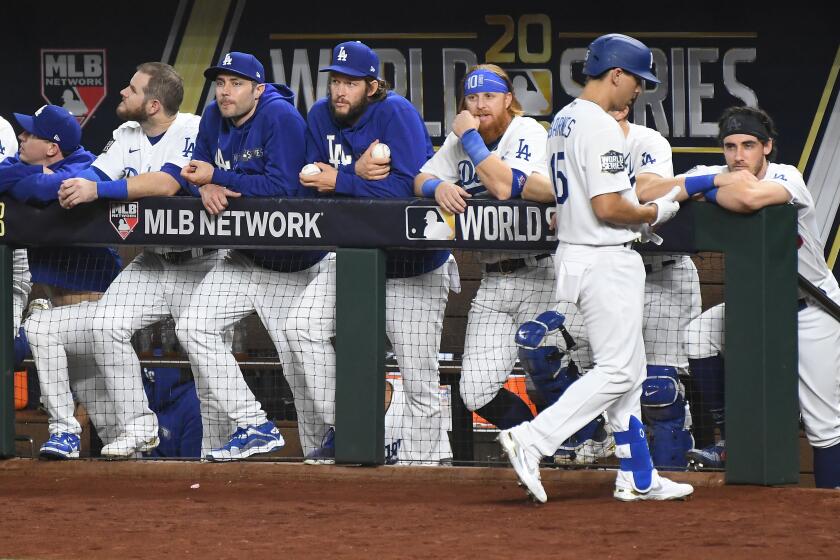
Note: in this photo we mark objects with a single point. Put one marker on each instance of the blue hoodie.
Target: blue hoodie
(262, 157)
(393, 121)
(71, 268)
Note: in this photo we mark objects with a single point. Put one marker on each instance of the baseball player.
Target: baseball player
(251, 143)
(598, 217)
(143, 159)
(343, 130)
(749, 181)
(50, 152)
(21, 279)
(704, 341)
(672, 299)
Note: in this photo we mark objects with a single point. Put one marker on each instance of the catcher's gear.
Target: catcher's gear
(666, 411)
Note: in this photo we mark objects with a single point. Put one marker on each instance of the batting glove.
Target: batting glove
(666, 206)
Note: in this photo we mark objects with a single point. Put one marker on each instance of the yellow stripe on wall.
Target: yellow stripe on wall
(198, 47)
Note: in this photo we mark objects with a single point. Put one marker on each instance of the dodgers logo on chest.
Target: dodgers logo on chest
(336, 152)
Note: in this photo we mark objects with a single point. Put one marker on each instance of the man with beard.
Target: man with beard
(251, 142)
(343, 130)
(143, 159)
(598, 218)
(495, 152)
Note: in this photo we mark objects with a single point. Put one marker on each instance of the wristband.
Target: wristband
(518, 183)
(474, 145)
(429, 186)
(699, 184)
(711, 196)
(116, 190)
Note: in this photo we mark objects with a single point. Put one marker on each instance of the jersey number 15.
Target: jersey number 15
(558, 179)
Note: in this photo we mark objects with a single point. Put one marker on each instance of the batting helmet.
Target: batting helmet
(619, 51)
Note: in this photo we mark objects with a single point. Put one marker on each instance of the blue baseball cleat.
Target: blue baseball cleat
(711, 457)
(248, 441)
(63, 445)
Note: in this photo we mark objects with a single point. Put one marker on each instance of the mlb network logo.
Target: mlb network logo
(429, 223)
(124, 216)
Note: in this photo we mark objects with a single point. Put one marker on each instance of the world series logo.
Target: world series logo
(74, 79)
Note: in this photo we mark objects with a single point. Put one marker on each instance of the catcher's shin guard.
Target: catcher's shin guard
(664, 407)
(631, 448)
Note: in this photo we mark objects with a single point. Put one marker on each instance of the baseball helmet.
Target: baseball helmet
(619, 51)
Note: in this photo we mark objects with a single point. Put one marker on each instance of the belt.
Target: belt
(512, 265)
(180, 257)
(801, 304)
(659, 266)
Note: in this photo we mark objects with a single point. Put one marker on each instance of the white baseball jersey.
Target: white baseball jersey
(130, 152)
(586, 149)
(810, 260)
(672, 291)
(522, 147)
(8, 140)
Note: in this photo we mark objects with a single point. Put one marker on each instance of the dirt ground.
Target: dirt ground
(97, 509)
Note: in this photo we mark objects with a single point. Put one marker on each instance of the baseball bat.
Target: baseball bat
(828, 304)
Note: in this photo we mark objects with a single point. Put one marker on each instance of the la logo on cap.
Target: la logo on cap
(56, 138)
(228, 60)
(342, 55)
(372, 69)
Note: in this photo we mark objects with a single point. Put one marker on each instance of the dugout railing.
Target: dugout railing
(760, 278)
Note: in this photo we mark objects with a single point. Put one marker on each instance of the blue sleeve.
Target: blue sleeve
(13, 170)
(175, 172)
(202, 150)
(285, 151)
(410, 146)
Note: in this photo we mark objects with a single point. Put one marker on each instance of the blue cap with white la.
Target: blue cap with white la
(354, 58)
(55, 124)
(239, 64)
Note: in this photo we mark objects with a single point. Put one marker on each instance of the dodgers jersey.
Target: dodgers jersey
(650, 150)
(8, 140)
(522, 147)
(131, 153)
(810, 261)
(586, 149)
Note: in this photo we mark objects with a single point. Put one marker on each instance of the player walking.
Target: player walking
(598, 217)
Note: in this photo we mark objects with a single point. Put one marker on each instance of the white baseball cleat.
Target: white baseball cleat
(527, 467)
(661, 489)
(127, 446)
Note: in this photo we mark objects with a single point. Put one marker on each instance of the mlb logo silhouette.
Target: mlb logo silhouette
(533, 89)
(429, 222)
(124, 217)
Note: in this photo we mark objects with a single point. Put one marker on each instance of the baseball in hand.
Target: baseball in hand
(310, 169)
(381, 151)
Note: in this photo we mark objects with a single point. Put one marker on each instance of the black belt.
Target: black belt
(511, 265)
(801, 304)
(180, 257)
(649, 267)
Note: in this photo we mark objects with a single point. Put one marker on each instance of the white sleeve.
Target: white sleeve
(528, 149)
(791, 179)
(111, 161)
(444, 164)
(656, 157)
(8, 140)
(603, 156)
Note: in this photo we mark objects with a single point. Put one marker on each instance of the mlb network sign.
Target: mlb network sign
(74, 79)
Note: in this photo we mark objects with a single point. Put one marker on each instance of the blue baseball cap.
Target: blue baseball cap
(354, 58)
(55, 124)
(241, 64)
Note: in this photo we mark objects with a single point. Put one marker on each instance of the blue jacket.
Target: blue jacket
(393, 121)
(262, 157)
(71, 268)
(29, 183)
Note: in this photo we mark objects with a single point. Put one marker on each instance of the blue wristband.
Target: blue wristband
(429, 186)
(711, 195)
(116, 190)
(518, 182)
(699, 184)
(474, 145)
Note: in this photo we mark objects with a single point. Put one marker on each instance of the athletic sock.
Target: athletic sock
(506, 410)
